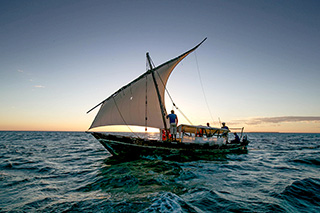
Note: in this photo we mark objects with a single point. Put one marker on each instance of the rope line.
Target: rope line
(172, 100)
(204, 94)
(170, 95)
(124, 119)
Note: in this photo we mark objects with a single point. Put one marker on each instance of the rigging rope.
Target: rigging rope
(124, 119)
(168, 92)
(204, 94)
(173, 101)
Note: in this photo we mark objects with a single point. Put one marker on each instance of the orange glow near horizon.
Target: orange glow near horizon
(29, 122)
(294, 127)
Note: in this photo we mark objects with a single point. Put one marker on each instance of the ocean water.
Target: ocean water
(66, 171)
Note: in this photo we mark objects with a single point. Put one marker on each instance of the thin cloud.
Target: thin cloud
(38, 86)
(21, 71)
(277, 120)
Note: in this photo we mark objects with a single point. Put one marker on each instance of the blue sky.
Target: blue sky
(259, 66)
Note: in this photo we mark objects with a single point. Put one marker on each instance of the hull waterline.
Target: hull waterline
(129, 147)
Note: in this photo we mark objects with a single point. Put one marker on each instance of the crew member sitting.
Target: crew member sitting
(236, 138)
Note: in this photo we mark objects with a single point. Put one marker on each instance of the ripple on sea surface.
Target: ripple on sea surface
(303, 194)
(61, 171)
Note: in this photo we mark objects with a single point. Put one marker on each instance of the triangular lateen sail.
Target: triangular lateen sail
(128, 105)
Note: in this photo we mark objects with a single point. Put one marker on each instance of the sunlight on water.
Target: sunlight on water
(65, 171)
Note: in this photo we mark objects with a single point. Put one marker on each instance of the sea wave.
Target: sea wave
(65, 171)
(303, 195)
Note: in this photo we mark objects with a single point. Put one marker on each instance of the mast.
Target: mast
(125, 106)
(158, 93)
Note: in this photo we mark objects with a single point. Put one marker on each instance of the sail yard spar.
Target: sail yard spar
(141, 103)
(127, 106)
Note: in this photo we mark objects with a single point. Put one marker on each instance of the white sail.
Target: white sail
(137, 103)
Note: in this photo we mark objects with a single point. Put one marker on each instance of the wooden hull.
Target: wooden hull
(129, 147)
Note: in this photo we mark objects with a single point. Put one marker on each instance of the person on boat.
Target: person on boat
(224, 126)
(173, 118)
(209, 133)
(236, 138)
(225, 135)
(199, 132)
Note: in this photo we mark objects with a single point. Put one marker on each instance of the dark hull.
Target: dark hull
(125, 147)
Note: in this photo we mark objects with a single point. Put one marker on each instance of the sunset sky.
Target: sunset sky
(259, 67)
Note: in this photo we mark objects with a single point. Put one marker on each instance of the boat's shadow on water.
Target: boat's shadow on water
(146, 182)
(173, 158)
(136, 178)
(142, 175)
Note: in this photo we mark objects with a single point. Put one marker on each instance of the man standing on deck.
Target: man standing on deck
(224, 126)
(173, 118)
(225, 135)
